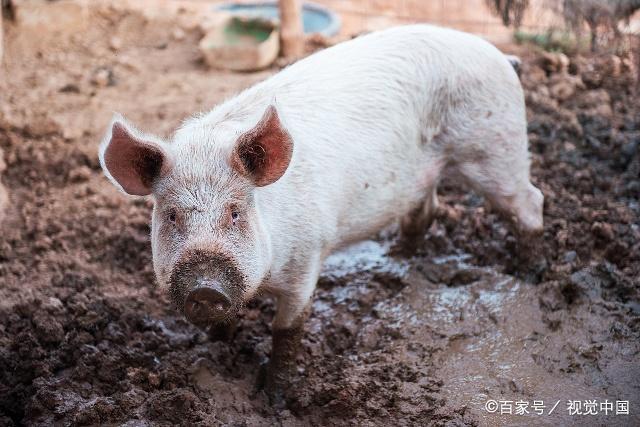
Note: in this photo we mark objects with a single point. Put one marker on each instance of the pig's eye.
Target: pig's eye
(172, 216)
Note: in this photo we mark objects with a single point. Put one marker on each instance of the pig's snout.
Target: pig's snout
(206, 287)
(207, 302)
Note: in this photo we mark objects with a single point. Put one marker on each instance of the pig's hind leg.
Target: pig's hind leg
(499, 170)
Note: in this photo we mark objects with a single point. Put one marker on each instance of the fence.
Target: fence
(467, 15)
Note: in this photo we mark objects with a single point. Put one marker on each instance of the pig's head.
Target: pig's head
(210, 249)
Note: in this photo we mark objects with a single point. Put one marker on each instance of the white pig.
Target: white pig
(257, 192)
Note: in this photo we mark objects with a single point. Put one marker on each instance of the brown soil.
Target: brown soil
(410, 339)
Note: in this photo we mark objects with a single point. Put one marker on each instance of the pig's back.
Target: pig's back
(399, 66)
(392, 87)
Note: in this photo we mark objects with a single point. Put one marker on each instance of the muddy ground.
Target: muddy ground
(418, 337)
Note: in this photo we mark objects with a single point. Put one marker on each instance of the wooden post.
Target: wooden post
(291, 32)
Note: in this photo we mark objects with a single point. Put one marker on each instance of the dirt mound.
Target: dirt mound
(415, 338)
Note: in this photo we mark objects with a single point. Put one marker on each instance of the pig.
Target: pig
(255, 194)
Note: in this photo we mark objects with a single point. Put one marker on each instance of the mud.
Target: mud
(420, 336)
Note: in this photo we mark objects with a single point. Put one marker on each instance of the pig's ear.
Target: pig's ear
(263, 153)
(131, 160)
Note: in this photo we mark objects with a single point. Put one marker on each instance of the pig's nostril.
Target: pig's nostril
(206, 304)
(196, 308)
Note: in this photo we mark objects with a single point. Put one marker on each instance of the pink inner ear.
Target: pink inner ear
(265, 151)
(133, 163)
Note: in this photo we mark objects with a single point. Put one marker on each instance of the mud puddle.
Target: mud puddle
(489, 334)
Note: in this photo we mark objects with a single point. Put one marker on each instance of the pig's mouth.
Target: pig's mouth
(206, 288)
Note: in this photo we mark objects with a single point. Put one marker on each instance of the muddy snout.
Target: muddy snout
(207, 302)
(206, 287)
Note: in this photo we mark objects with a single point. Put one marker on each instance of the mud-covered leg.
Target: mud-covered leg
(281, 369)
(504, 181)
(414, 225)
(287, 330)
(529, 261)
(282, 366)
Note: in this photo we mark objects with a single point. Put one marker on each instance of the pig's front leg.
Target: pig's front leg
(293, 307)
(287, 330)
(286, 342)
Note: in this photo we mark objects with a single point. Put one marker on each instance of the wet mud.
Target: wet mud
(409, 337)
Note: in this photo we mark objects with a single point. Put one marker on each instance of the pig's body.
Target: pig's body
(374, 121)
(350, 139)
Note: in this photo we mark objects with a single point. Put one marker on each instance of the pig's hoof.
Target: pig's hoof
(276, 396)
(274, 385)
